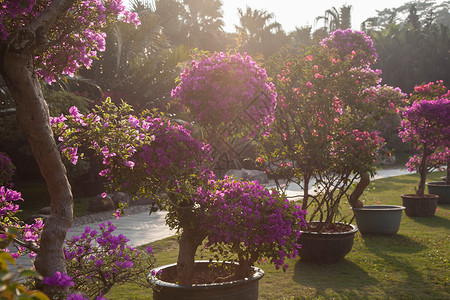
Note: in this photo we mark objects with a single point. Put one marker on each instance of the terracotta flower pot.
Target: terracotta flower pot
(326, 248)
(245, 289)
(441, 189)
(378, 219)
(417, 206)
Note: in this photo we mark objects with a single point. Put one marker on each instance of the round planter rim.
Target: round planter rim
(257, 275)
(429, 196)
(352, 231)
(437, 183)
(379, 207)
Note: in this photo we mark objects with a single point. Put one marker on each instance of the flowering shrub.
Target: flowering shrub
(97, 260)
(145, 155)
(426, 125)
(6, 169)
(246, 219)
(352, 45)
(220, 88)
(78, 33)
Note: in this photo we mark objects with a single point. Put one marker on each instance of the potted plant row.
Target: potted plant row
(148, 154)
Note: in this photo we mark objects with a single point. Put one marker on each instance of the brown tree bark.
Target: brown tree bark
(33, 117)
(359, 190)
(17, 69)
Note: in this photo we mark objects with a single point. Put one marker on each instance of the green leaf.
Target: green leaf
(7, 257)
(30, 273)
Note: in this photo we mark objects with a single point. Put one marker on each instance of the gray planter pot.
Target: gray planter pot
(441, 189)
(245, 289)
(379, 219)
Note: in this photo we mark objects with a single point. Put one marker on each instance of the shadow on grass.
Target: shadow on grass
(435, 221)
(391, 243)
(344, 278)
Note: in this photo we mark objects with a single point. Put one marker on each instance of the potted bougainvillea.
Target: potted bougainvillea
(426, 125)
(433, 91)
(150, 155)
(322, 137)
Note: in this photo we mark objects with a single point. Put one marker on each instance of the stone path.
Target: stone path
(143, 228)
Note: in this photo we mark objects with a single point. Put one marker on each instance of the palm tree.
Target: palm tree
(336, 19)
(301, 37)
(203, 20)
(140, 64)
(259, 33)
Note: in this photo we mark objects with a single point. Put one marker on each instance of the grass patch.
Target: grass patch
(413, 264)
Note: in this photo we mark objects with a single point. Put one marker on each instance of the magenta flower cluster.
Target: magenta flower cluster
(7, 169)
(351, 44)
(250, 221)
(67, 52)
(219, 88)
(28, 233)
(426, 124)
(173, 153)
(8, 198)
(58, 279)
(141, 154)
(96, 260)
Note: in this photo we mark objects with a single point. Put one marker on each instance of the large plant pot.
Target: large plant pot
(326, 248)
(441, 189)
(246, 289)
(378, 219)
(417, 206)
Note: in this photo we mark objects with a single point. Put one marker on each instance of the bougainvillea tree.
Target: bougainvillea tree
(426, 125)
(329, 99)
(431, 91)
(145, 155)
(148, 155)
(45, 39)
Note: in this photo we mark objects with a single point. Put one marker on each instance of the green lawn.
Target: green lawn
(414, 264)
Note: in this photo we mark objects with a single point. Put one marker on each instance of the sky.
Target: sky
(292, 13)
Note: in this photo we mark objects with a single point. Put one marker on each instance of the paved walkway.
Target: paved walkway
(143, 228)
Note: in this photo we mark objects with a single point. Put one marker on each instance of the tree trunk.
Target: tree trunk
(186, 256)
(33, 117)
(447, 178)
(359, 190)
(423, 170)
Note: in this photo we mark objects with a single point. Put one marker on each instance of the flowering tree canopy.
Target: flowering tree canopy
(143, 155)
(329, 99)
(219, 88)
(246, 219)
(426, 125)
(74, 39)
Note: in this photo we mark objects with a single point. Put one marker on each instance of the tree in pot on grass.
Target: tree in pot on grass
(329, 100)
(149, 155)
(426, 125)
(441, 157)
